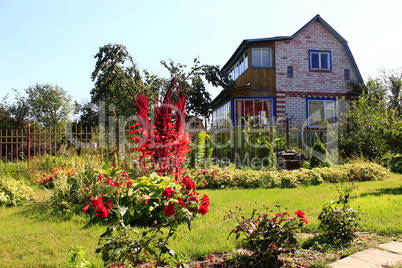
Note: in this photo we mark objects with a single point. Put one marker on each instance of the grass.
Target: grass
(33, 241)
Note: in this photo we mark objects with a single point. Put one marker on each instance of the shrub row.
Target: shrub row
(217, 177)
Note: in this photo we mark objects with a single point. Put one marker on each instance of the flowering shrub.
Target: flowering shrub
(147, 200)
(161, 200)
(338, 220)
(47, 179)
(153, 201)
(268, 236)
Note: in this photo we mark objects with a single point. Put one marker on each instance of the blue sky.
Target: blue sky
(54, 41)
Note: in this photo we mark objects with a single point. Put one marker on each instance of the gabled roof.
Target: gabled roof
(243, 46)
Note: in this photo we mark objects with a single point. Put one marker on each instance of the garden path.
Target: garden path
(385, 255)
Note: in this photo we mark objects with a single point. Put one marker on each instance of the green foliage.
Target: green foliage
(393, 162)
(116, 78)
(78, 259)
(125, 246)
(265, 152)
(13, 192)
(338, 220)
(374, 121)
(43, 104)
(319, 155)
(215, 177)
(268, 236)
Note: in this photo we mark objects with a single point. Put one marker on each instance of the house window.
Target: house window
(261, 57)
(253, 111)
(321, 111)
(346, 74)
(320, 60)
(290, 71)
(221, 117)
(239, 67)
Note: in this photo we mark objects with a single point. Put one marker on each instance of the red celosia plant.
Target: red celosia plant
(162, 141)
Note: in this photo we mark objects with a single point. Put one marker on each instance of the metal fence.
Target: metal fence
(22, 144)
(228, 142)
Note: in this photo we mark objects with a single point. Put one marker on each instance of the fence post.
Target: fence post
(28, 144)
(287, 132)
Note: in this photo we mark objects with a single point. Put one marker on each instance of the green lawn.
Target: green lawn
(31, 241)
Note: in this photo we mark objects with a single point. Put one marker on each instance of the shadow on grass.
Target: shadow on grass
(384, 191)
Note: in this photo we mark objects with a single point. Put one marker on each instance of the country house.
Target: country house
(303, 77)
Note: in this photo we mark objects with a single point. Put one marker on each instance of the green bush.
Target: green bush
(13, 192)
(338, 220)
(319, 155)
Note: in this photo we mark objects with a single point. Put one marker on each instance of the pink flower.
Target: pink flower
(125, 174)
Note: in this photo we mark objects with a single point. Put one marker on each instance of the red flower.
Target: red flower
(125, 174)
(168, 193)
(169, 209)
(203, 209)
(109, 204)
(187, 183)
(111, 182)
(301, 214)
(193, 197)
(97, 202)
(181, 202)
(205, 200)
(85, 208)
(129, 183)
(102, 212)
(100, 177)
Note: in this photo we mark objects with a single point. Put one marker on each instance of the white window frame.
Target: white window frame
(261, 63)
(326, 108)
(239, 67)
(320, 53)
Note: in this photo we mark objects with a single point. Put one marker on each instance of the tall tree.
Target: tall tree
(116, 78)
(48, 105)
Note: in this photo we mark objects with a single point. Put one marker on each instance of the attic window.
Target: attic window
(319, 60)
(261, 57)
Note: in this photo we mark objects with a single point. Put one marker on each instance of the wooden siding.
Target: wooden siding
(253, 93)
(259, 78)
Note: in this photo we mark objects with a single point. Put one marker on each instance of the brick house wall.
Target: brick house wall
(291, 93)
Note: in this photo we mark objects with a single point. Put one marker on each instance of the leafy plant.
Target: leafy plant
(13, 192)
(338, 220)
(319, 157)
(268, 236)
(78, 258)
(162, 142)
